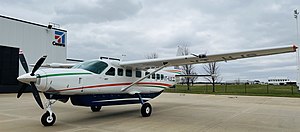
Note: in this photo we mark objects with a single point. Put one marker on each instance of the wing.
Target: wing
(196, 59)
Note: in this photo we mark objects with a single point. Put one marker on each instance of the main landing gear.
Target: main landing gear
(146, 108)
(48, 118)
(96, 108)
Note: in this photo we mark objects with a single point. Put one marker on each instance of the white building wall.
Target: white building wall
(33, 39)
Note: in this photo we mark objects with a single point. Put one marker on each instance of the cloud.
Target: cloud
(92, 11)
(138, 27)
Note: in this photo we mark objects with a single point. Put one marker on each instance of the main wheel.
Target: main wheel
(146, 110)
(47, 120)
(95, 108)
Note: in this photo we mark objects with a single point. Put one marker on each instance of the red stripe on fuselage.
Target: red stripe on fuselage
(110, 85)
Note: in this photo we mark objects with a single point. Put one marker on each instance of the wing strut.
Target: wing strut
(141, 79)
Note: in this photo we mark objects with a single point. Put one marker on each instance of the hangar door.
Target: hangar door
(9, 69)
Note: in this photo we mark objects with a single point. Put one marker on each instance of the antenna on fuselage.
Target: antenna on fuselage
(123, 56)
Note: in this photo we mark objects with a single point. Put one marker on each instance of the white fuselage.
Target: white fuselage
(111, 80)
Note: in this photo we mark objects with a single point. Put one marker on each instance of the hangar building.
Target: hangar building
(34, 40)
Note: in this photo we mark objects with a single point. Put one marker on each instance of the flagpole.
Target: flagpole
(296, 13)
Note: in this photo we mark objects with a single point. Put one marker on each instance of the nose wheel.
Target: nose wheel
(47, 119)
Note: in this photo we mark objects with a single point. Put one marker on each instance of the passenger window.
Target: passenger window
(120, 72)
(138, 74)
(128, 73)
(162, 77)
(153, 76)
(111, 72)
(158, 76)
(146, 73)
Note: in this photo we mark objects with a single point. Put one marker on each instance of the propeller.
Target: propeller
(22, 89)
(35, 92)
(38, 65)
(23, 61)
(36, 95)
(25, 67)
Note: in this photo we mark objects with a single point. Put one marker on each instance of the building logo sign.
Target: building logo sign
(60, 38)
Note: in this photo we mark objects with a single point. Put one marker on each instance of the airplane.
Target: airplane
(109, 81)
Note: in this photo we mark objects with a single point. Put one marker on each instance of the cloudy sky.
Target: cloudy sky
(139, 27)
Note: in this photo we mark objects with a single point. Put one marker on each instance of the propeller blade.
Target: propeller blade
(36, 95)
(23, 62)
(38, 65)
(22, 89)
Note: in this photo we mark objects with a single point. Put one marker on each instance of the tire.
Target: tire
(96, 108)
(46, 120)
(146, 110)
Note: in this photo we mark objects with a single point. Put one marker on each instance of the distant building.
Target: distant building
(256, 82)
(238, 81)
(33, 40)
(278, 80)
(243, 81)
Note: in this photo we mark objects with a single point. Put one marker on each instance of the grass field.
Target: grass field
(255, 90)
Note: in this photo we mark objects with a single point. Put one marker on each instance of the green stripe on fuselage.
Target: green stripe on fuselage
(62, 74)
(153, 86)
(157, 86)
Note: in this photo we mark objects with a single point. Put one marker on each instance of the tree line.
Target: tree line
(211, 68)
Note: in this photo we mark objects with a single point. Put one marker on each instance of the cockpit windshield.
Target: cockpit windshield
(94, 66)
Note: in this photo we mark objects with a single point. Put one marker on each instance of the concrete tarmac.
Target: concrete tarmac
(171, 112)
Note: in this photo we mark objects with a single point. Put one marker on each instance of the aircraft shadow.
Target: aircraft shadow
(103, 115)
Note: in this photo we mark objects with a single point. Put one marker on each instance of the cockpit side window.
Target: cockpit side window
(94, 66)
(111, 72)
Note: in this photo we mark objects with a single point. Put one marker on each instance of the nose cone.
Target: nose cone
(27, 78)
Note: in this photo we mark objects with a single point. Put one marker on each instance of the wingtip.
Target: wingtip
(295, 47)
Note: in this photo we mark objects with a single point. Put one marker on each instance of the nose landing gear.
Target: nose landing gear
(48, 118)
